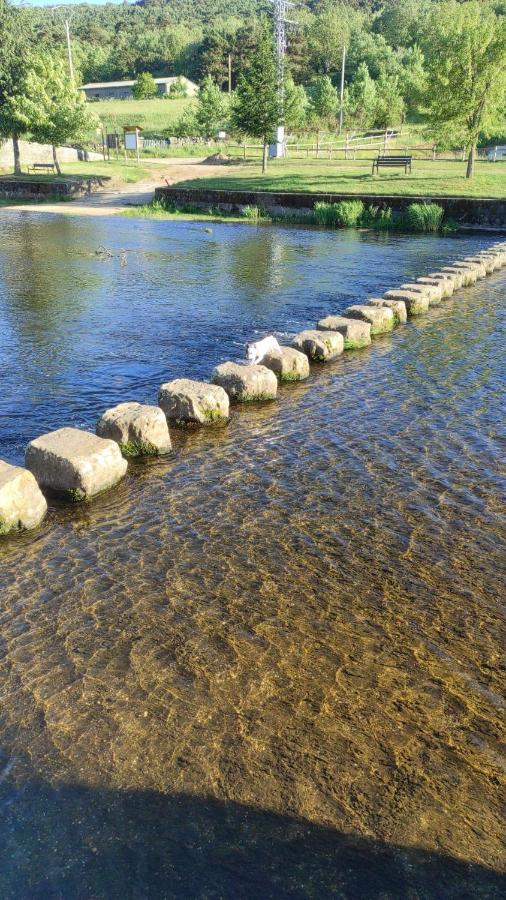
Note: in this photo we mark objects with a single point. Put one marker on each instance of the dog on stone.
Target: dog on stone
(257, 350)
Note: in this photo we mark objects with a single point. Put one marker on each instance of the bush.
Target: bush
(345, 214)
(254, 213)
(423, 217)
(378, 218)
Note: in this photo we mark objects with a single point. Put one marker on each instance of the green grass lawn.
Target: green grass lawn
(428, 178)
(153, 115)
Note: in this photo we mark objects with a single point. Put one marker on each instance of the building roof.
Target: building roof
(113, 84)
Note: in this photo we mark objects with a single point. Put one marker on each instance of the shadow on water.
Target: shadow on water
(76, 842)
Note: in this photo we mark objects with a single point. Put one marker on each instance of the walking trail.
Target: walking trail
(112, 200)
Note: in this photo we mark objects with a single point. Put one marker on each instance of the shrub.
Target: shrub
(378, 218)
(345, 214)
(423, 217)
(254, 213)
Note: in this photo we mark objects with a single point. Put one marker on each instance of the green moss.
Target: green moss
(214, 417)
(290, 376)
(357, 344)
(74, 495)
(131, 449)
(258, 398)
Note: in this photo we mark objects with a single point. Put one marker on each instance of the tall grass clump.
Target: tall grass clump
(345, 214)
(423, 217)
(254, 213)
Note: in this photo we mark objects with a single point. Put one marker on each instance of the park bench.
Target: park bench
(41, 167)
(403, 162)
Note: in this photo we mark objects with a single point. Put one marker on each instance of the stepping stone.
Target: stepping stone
(480, 269)
(138, 429)
(22, 503)
(319, 346)
(487, 262)
(381, 319)
(416, 303)
(398, 308)
(438, 283)
(287, 363)
(194, 402)
(469, 273)
(447, 282)
(433, 292)
(75, 464)
(459, 276)
(495, 259)
(356, 334)
(245, 383)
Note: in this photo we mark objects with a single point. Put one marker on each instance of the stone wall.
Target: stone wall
(488, 212)
(41, 153)
(61, 189)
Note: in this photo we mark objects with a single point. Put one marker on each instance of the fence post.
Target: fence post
(244, 150)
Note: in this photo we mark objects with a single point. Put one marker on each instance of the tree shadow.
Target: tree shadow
(78, 843)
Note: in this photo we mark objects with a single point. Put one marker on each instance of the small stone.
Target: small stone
(447, 282)
(433, 292)
(185, 401)
(138, 429)
(246, 382)
(319, 346)
(287, 363)
(416, 304)
(22, 503)
(381, 319)
(356, 334)
(75, 464)
(398, 308)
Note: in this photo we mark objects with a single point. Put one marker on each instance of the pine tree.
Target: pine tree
(255, 109)
(323, 99)
(210, 112)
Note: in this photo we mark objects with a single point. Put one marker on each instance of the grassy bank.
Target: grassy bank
(153, 115)
(428, 178)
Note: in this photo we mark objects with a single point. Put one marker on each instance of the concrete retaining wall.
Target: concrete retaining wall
(31, 152)
(488, 212)
(31, 189)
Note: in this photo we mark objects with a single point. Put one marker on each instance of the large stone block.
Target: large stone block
(459, 277)
(448, 283)
(194, 402)
(138, 429)
(287, 363)
(381, 319)
(416, 304)
(433, 292)
(495, 260)
(486, 261)
(22, 504)
(469, 272)
(480, 269)
(440, 284)
(319, 346)
(356, 333)
(246, 382)
(398, 308)
(75, 464)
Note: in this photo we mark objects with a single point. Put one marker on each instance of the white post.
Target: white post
(343, 63)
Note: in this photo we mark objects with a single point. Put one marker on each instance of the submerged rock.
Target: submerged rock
(22, 503)
(416, 303)
(186, 401)
(287, 363)
(319, 346)
(138, 429)
(398, 308)
(381, 319)
(356, 333)
(244, 382)
(75, 464)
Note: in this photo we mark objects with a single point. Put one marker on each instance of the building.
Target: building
(122, 90)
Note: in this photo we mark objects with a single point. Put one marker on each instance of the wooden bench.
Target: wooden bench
(402, 162)
(42, 167)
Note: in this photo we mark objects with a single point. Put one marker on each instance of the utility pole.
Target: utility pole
(277, 148)
(69, 51)
(230, 73)
(343, 64)
(64, 15)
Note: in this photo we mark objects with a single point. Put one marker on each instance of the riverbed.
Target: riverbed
(269, 664)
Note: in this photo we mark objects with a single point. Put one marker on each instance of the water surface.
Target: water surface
(269, 665)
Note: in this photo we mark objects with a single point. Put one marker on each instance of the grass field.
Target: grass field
(428, 178)
(153, 115)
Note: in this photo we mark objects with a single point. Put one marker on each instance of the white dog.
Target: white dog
(259, 349)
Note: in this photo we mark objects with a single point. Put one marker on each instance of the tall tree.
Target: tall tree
(210, 113)
(465, 58)
(296, 105)
(255, 110)
(362, 99)
(145, 87)
(49, 105)
(323, 99)
(14, 55)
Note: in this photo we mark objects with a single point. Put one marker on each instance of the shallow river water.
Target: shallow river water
(270, 664)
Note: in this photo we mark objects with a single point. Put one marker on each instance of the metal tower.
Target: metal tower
(277, 148)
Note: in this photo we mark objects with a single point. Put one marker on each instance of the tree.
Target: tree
(14, 42)
(210, 112)
(145, 87)
(389, 103)
(49, 105)
(178, 88)
(296, 105)
(255, 110)
(362, 99)
(323, 99)
(465, 57)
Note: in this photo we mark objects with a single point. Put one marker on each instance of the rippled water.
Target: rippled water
(269, 665)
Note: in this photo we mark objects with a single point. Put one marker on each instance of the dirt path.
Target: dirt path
(115, 199)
